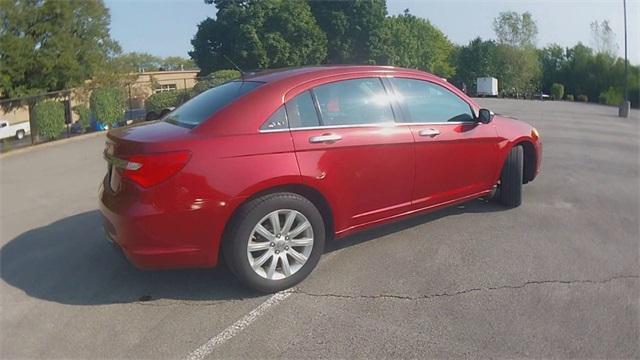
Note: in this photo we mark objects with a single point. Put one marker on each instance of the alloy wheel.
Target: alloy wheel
(280, 244)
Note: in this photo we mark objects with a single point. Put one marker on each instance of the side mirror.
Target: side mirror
(485, 116)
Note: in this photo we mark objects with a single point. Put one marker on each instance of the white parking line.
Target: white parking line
(237, 327)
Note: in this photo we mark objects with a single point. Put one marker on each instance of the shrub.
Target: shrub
(569, 97)
(159, 101)
(49, 118)
(84, 114)
(583, 98)
(557, 91)
(612, 96)
(108, 105)
(214, 79)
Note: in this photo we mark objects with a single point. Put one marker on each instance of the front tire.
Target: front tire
(274, 241)
(511, 178)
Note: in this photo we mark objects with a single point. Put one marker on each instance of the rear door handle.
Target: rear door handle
(325, 138)
(429, 132)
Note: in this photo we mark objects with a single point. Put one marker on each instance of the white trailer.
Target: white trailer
(487, 86)
(18, 130)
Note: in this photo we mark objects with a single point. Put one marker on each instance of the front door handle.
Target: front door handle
(325, 138)
(429, 132)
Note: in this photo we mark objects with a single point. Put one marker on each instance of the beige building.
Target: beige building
(152, 82)
(146, 84)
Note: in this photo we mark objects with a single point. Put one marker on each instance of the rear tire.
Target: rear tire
(293, 262)
(511, 178)
(20, 135)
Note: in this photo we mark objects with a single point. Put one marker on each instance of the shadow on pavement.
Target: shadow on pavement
(474, 206)
(70, 262)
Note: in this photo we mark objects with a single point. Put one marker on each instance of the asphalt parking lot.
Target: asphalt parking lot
(558, 277)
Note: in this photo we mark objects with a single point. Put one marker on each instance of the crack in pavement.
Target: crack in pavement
(167, 302)
(465, 291)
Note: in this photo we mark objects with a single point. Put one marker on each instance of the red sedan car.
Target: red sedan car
(264, 169)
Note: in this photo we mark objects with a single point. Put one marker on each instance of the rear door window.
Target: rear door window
(201, 107)
(354, 102)
(301, 111)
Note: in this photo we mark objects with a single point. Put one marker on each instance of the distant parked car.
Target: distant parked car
(543, 96)
(262, 170)
(19, 130)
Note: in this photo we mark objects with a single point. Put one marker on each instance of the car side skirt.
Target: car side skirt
(423, 210)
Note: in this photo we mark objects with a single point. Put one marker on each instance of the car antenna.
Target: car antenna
(235, 66)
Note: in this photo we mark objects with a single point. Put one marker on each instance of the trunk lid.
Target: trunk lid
(147, 137)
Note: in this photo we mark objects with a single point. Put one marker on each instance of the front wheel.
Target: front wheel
(511, 178)
(275, 241)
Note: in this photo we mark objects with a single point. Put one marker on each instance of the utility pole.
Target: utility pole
(625, 107)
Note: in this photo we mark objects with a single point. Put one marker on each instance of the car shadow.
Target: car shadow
(481, 205)
(70, 262)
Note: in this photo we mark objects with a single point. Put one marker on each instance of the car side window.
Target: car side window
(353, 102)
(427, 102)
(301, 112)
(277, 121)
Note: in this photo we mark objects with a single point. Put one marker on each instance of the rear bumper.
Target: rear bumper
(153, 237)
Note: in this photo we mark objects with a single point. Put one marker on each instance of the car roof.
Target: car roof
(310, 72)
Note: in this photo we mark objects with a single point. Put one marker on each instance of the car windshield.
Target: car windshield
(201, 107)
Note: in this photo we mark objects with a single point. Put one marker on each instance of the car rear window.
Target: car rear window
(201, 107)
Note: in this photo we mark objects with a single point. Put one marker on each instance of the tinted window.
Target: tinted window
(301, 111)
(352, 102)
(276, 121)
(428, 102)
(201, 107)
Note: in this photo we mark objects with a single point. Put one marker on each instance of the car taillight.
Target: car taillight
(151, 169)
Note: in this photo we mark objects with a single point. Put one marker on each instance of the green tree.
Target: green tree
(477, 59)
(603, 38)
(178, 63)
(258, 34)
(163, 100)
(518, 57)
(351, 28)
(136, 62)
(518, 70)
(108, 105)
(214, 79)
(413, 42)
(84, 115)
(49, 115)
(553, 63)
(557, 91)
(48, 45)
(515, 29)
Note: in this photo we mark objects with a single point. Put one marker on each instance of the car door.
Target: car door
(350, 149)
(455, 154)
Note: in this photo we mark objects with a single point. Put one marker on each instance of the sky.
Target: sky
(166, 27)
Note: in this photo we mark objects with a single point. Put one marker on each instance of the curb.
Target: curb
(51, 143)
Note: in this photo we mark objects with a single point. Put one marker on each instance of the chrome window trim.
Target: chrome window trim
(380, 125)
(442, 123)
